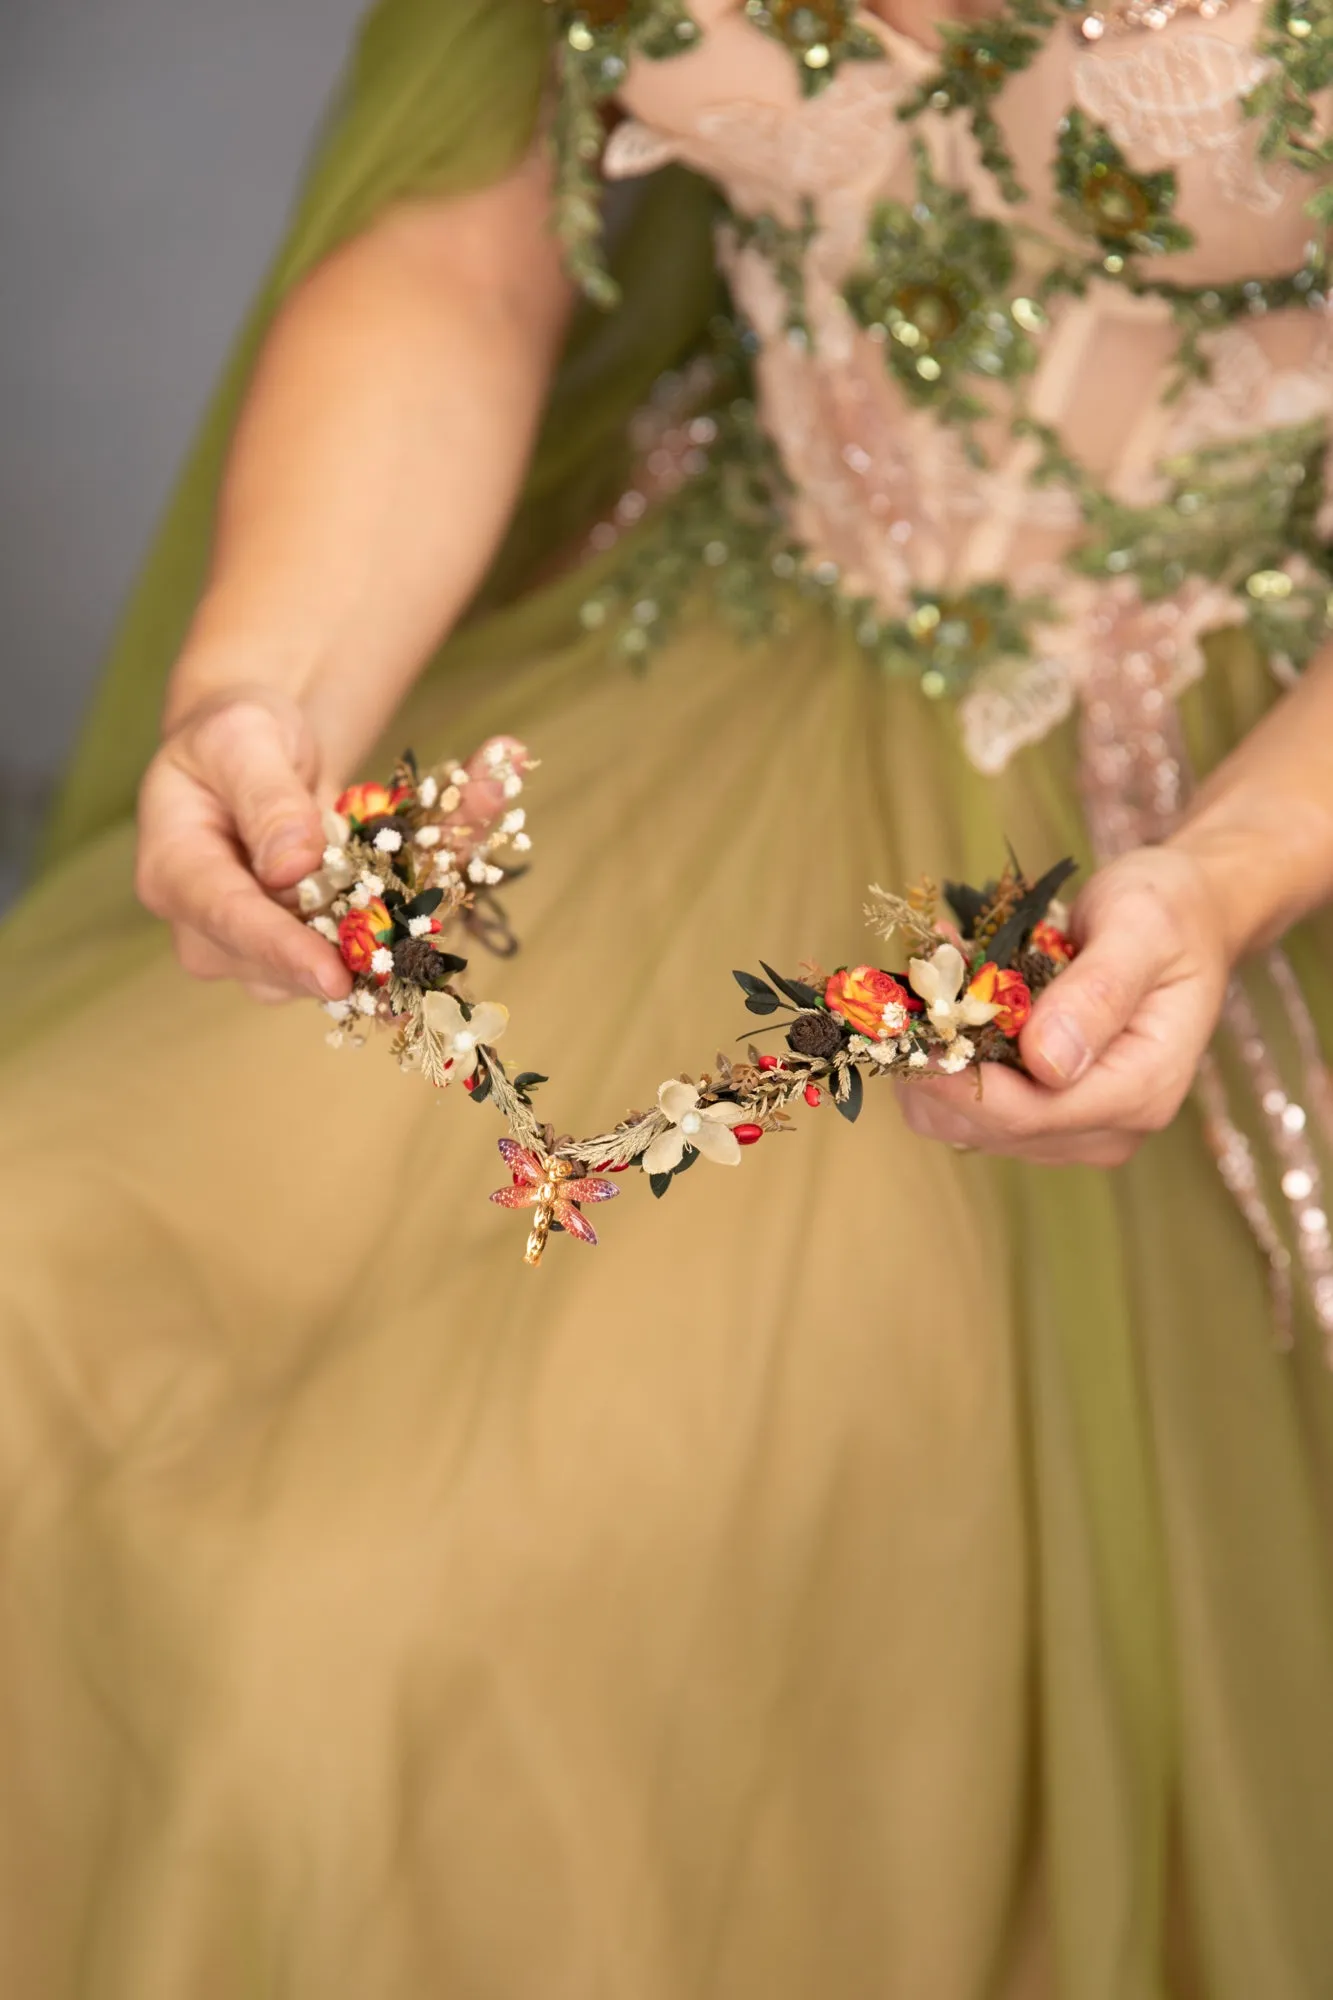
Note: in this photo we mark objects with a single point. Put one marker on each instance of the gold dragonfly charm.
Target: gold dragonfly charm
(552, 1188)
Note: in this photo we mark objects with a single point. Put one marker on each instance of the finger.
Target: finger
(951, 1124)
(252, 758)
(1128, 948)
(202, 959)
(190, 874)
(1137, 1087)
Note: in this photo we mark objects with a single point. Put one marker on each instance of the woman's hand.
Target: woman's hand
(229, 822)
(1113, 1044)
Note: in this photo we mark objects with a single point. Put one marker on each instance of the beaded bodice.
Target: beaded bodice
(1038, 325)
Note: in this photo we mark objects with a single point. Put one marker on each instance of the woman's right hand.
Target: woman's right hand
(229, 820)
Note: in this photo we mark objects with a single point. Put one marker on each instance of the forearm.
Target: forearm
(378, 460)
(1261, 826)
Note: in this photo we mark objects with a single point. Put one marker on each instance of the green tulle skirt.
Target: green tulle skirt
(873, 1571)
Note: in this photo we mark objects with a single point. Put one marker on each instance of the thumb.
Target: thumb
(1123, 957)
(259, 764)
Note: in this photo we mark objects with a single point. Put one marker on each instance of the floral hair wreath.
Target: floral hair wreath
(401, 864)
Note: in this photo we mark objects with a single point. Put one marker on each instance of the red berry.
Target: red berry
(769, 1062)
(813, 1096)
(748, 1135)
(469, 1084)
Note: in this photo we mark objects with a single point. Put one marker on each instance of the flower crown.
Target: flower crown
(400, 865)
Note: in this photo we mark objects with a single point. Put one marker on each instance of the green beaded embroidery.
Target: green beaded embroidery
(931, 289)
(595, 41)
(1129, 214)
(933, 286)
(820, 34)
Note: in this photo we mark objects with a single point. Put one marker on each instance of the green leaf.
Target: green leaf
(795, 989)
(426, 904)
(528, 1079)
(659, 1183)
(481, 1090)
(686, 1161)
(759, 997)
(850, 1105)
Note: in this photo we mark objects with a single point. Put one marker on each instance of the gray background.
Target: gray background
(148, 150)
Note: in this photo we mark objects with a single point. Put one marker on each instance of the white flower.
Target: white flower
(315, 892)
(337, 1010)
(337, 868)
(957, 1056)
(429, 836)
(482, 871)
(458, 777)
(365, 1003)
(894, 1018)
(705, 1127)
(419, 926)
(918, 1059)
(373, 884)
(515, 821)
(880, 1052)
(522, 842)
(388, 840)
(512, 786)
(326, 928)
(428, 791)
(451, 800)
(938, 980)
(462, 1037)
(381, 961)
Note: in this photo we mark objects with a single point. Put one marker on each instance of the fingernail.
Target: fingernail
(326, 984)
(1064, 1048)
(285, 843)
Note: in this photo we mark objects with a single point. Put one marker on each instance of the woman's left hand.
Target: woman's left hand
(1113, 1044)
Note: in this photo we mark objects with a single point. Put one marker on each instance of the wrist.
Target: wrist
(1266, 862)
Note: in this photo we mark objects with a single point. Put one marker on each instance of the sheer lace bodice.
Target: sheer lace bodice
(897, 481)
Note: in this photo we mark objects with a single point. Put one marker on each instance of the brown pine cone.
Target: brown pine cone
(815, 1034)
(418, 963)
(1036, 969)
(384, 823)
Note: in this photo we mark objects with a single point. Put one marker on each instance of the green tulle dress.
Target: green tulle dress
(874, 1573)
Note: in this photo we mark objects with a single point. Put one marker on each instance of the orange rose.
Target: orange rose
(362, 933)
(861, 993)
(1008, 993)
(1054, 943)
(363, 802)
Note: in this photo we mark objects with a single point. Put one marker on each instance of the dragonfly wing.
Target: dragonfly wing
(589, 1190)
(577, 1225)
(520, 1161)
(515, 1197)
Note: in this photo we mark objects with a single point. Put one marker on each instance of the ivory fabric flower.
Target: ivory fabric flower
(939, 981)
(705, 1127)
(462, 1037)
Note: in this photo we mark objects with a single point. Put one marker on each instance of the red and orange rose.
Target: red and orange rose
(364, 932)
(1054, 943)
(1007, 992)
(861, 994)
(363, 802)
